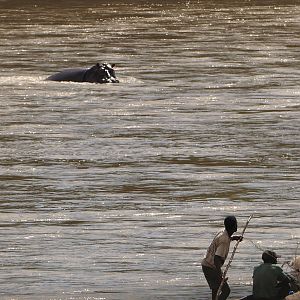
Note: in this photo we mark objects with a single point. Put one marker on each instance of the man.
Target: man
(269, 280)
(216, 256)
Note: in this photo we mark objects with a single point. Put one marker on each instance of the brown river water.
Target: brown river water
(115, 191)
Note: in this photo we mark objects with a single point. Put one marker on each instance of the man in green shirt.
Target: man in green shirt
(269, 280)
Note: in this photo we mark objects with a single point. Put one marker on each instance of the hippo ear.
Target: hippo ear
(98, 65)
(113, 65)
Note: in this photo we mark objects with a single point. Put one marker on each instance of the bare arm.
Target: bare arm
(218, 262)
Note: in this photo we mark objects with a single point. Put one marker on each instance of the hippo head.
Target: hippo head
(103, 73)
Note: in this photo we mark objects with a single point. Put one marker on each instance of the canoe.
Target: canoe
(295, 296)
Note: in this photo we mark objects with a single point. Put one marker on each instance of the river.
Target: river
(115, 191)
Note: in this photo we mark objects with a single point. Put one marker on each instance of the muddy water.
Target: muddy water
(115, 191)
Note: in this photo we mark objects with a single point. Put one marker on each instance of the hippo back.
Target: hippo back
(103, 73)
(76, 75)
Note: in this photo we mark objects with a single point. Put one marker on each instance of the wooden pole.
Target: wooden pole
(231, 259)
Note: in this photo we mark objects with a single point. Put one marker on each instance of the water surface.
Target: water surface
(115, 191)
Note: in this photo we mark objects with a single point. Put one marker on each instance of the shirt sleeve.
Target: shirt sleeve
(282, 277)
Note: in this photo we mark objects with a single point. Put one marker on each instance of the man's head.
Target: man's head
(230, 224)
(270, 257)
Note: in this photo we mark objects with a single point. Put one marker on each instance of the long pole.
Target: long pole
(231, 259)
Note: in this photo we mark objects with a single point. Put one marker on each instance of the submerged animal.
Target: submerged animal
(99, 73)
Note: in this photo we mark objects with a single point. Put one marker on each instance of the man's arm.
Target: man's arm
(218, 262)
(282, 277)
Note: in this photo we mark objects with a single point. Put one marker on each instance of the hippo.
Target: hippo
(103, 73)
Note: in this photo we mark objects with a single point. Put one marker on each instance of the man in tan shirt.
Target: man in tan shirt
(216, 255)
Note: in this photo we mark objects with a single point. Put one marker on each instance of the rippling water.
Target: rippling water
(115, 191)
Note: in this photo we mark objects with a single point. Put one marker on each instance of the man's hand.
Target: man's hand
(237, 238)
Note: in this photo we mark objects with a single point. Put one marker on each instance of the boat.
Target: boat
(294, 266)
(295, 296)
